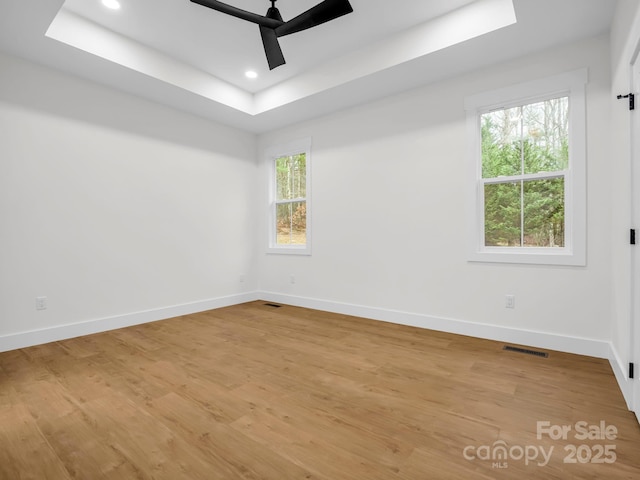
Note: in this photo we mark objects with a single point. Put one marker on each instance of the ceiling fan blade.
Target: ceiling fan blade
(321, 13)
(272, 49)
(239, 13)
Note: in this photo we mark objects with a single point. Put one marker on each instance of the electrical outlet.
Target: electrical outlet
(41, 303)
(510, 301)
(241, 278)
(292, 279)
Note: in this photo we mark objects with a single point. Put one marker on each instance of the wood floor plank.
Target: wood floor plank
(26, 454)
(229, 453)
(323, 458)
(254, 392)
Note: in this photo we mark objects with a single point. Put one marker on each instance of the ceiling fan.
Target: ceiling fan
(272, 26)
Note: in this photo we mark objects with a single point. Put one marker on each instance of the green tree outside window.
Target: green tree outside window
(525, 154)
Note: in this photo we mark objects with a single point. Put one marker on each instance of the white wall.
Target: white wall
(625, 38)
(389, 216)
(121, 211)
(111, 206)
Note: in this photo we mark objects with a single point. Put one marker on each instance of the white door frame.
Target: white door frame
(634, 336)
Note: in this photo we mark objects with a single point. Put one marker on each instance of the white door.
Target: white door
(635, 212)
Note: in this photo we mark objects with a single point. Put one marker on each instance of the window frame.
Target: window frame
(572, 85)
(272, 153)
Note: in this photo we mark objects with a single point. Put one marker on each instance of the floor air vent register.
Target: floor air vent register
(272, 305)
(526, 351)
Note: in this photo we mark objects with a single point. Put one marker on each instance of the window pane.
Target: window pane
(291, 177)
(501, 143)
(544, 213)
(546, 136)
(291, 223)
(502, 225)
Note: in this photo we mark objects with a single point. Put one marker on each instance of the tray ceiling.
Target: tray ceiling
(193, 58)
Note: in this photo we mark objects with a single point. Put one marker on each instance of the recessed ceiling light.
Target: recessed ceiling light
(250, 74)
(112, 4)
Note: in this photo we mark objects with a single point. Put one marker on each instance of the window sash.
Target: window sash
(522, 179)
(295, 200)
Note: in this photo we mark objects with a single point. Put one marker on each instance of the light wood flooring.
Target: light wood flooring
(256, 392)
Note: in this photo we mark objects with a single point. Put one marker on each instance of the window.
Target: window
(525, 157)
(289, 230)
(528, 164)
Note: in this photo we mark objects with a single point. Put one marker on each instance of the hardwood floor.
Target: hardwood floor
(256, 392)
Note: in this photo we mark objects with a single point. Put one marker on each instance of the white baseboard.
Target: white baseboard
(548, 341)
(578, 345)
(62, 332)
(544, 340)
(622, 376)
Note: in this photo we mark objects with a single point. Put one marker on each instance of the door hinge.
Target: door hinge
(631, 372)
(632, 236)
(632, 100)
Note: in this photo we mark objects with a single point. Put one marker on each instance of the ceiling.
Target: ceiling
(192, 58)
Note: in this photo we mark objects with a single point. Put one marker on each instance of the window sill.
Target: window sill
(529, 256)
(289, 250)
